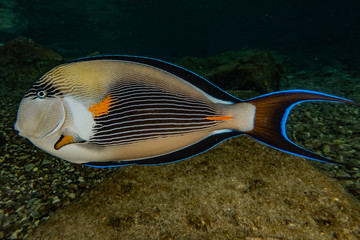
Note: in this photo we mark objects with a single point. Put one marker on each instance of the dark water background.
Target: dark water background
(172, 29)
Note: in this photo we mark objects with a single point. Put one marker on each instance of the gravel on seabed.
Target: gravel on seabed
(34, 184)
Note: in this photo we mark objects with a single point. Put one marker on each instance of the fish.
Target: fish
(117, 110)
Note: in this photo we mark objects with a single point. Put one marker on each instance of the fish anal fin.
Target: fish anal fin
(272, 111)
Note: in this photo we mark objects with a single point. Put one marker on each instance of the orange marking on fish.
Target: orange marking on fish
(101, 108)
(219, 118)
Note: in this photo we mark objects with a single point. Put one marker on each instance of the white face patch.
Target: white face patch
(82, 121)
(39, 118)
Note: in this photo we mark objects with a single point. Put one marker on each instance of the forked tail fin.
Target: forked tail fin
(272, 111)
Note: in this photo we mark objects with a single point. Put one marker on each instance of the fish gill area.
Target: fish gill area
(34, 186)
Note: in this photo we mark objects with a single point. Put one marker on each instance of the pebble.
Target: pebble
(45, 162)
(15, 235)
(20, 209)
(55, 200)
(29, 167)
(346, 183)
(72, 195)
(356, 175)
(342, 174)
(346, 147)
(36, 223)
(338, 142)
(82, 185)
(24, 157)
(326, 149)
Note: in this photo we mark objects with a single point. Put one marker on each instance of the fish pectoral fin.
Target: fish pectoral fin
(65, 140)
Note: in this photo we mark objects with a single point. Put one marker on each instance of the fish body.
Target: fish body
(119, 110)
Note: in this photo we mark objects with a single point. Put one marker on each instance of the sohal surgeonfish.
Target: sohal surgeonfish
(108, 111)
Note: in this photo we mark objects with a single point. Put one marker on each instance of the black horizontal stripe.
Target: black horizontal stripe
(152, 121)
(137, 132)
(144, 135)
(148, 116)
(157, 101)
(121, 129)
(138, 112)
(157, 97)
(156, 110)
(151, 94)
(133, 120)
(131, 132)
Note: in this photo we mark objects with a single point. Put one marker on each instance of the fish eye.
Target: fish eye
(41, 94)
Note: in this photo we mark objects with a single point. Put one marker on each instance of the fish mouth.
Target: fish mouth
(17, 128)
(39, 118)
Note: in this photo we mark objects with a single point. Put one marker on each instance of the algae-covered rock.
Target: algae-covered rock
(247, 69)
(24, 49)
(257, 71)
(238, 190)
(23, 61)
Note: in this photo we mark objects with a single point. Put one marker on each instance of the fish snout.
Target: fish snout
(38, 118)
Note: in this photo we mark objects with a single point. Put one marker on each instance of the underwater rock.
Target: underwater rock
(257, 71)
(22, 61)
(247, 69)
(240, 189)
(23, 49)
